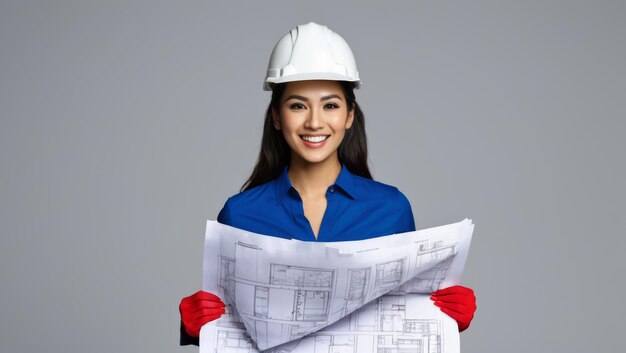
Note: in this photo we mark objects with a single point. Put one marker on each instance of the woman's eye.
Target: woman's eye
(296, 106)
(332, 106)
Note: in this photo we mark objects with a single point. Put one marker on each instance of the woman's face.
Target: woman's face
(313, 118)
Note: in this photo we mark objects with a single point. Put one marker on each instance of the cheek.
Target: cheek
(289, 129)
(339, 122)
(289, 122)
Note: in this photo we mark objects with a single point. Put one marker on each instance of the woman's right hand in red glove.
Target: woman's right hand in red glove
(198, 309)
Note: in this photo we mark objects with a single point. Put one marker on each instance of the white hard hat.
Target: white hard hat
(311, 52)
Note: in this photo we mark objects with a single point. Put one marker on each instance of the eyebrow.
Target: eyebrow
(295, 96)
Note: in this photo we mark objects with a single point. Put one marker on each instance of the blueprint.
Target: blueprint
(291, 296)
(389, 324)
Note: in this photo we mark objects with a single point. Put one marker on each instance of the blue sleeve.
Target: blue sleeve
(224, 216)
(406, 222)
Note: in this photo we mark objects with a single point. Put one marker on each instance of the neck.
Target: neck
(312, 179)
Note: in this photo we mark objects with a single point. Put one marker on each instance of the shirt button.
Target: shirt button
(332, 189)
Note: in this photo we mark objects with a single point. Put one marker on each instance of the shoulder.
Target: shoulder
(384, 201)
(373, 190)
(260, 193)
(244, 202)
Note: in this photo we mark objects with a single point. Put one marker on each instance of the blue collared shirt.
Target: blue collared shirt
(357, 208)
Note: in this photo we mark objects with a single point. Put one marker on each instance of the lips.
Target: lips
(314, 138)
(314, 141)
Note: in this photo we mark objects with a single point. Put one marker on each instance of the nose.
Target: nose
(315, 119)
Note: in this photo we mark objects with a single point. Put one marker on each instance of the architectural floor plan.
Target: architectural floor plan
(389, 324)
(284, 295)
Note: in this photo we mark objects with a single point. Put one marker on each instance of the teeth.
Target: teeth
(314, 138)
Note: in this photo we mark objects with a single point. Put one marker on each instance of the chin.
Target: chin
(314, 159)
(312, 156)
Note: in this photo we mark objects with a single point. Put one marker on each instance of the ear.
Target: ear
(275, 119)
(350, 117)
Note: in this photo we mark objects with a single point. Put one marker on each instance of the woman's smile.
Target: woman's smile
(314, 141)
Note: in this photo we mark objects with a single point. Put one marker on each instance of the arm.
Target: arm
(406, 222)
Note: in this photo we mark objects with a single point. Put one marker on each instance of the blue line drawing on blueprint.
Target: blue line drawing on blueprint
(296, 297)
(292, 300)
(430, 280)
(235, 342)
(288, 301)
(226, 274)
(383, 326)
(357, 288)
(388, 276)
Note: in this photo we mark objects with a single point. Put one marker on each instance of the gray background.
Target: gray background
(125, 125)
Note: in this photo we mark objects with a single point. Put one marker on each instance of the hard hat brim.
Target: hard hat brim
(270, 81)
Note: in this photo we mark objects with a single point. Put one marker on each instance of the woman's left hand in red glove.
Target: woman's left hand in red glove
(458, 302)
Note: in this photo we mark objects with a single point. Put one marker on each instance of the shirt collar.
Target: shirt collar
(345, 181)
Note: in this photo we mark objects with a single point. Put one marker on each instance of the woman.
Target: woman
(311, 181)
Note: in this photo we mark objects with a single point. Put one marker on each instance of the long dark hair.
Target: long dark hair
(275, 153)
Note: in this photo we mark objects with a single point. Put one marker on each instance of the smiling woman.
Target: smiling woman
(315, 102)
(312, 167)
(313, 119)
(311, 181)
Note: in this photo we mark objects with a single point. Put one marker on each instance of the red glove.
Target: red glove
(198, 309)
(458, 302)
